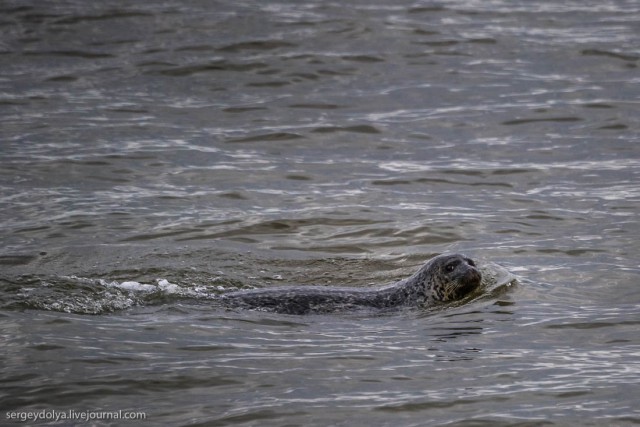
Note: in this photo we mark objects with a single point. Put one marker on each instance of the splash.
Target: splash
(79, 295)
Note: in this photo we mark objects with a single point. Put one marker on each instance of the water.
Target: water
(155, 155)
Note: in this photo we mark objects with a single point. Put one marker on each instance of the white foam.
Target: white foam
(135, 286)
(167, 287)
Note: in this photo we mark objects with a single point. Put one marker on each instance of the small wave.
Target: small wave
(496, 279)
(71, 294)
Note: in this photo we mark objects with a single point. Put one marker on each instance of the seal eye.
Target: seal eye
(450, 267)
(470, 262)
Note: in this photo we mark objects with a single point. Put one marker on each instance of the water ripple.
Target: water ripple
(247, 144)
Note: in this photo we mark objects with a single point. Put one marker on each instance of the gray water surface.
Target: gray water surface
(154, 155)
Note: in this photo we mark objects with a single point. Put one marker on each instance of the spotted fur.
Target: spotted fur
(443, 278)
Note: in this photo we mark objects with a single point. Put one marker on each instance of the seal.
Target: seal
(443, 278)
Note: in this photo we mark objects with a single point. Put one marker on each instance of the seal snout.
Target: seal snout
(469, 278)
(464, 277)
(472, 274)
(473, 277)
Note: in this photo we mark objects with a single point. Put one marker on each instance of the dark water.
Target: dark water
(155, 154)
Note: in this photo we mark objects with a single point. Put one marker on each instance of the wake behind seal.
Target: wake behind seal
(443, 278)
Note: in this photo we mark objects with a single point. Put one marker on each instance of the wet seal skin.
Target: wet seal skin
(443, 278)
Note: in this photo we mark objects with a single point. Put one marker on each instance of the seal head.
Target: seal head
(450, 277)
